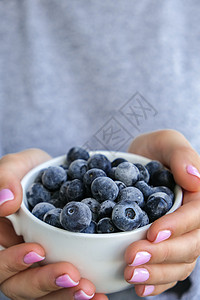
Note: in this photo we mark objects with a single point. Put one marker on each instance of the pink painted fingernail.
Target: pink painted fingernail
(81, 295)
(65, 281)
(148, 290)
(139, 275)
(193, 171)
(32, 257)
(6, 195)
(141, 258)
(162, 236)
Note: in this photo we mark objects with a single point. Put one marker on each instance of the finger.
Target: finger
(158, 273)
(183, 249)
(8, 236)
(40, 281)
(173, 150)
(13, 168)
(183, 220)
(14, 259)
(153, 290)
(73, 293)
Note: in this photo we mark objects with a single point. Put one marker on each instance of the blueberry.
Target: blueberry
(111, 173)
(131, 194)
(73, 190)
(106, 225)
(77, 153)
(39, 176)
(163, 177)
(120, 185)
(146, 189)
(127, 172)
(41, 209)
(99, 161)
(92, 228)
(144, 173)
(56, 201)
(64, 166)
(163, 189)
(157, 205)
(52, 217)
(92, 174)
(144, 220)
(75, 216)
(77, 169)
(127, 216)
(153, 166)
(104, 188)
(63, 191)
(106, 209)
(117, 161)
(94, 206)
(53, 177)
(37, 193)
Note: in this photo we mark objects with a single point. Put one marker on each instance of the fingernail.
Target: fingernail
(141, 258)
(148, 290)
(32, 257)
(81, 295)
(193, 171)
(139, 275)
(65, 281)
(162, 235)
(6, 195)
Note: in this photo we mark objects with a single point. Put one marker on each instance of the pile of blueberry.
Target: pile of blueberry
(91, 194)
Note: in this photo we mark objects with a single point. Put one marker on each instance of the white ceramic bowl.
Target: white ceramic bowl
(98, 257)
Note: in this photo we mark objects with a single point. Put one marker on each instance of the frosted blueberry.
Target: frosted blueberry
(127, 216)
(104, 188)
(77, 153)
(131, 194)
(127, 172)
(75, 216)
(53, 177)
(99, 161)
(106, 225)
(41, 209)
(77, 169)
(52, 217)
(37, 193)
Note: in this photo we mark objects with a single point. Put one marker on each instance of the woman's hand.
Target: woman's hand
(172, 246)
(18, 280)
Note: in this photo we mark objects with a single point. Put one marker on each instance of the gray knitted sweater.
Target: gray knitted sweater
(97, 74)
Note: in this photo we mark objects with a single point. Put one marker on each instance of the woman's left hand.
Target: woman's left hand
(171, 249)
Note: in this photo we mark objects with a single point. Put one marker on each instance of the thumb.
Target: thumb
(173, 150)
(13, 167)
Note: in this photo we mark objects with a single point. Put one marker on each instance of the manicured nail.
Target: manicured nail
(141, 258)
(81, 295)
(162, 236)
(139, 275)
(65, 281)
(193, 171)
(148, 290)
(32, 257)
(6, 195)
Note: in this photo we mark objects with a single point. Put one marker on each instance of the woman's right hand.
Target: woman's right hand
(18, 280)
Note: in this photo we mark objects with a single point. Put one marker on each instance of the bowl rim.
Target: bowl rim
(59, 160)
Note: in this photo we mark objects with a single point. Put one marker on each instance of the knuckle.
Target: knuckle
(166, 253)
(188, 270)
(43, 286)
(11, 157)
(11, 269)
(194, 254)
(8, 292)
